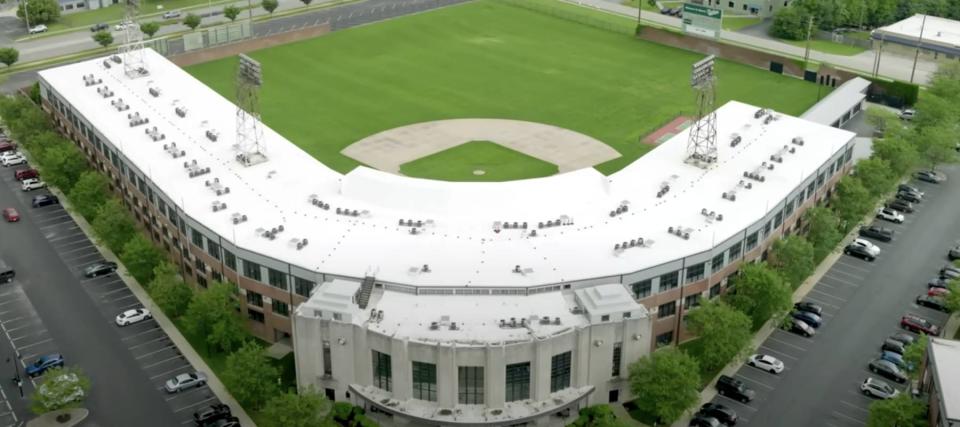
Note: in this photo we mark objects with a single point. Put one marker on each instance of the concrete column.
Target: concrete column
(494, 374)
(447, 375)
(581, 358)
(402, 369)
(540, 370)
(356, 355)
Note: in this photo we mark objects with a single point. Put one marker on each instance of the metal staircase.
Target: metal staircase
(366, 288)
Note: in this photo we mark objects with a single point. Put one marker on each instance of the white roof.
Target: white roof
(946, 354)
(458, 240)
(838, 102)
(606, 299)
(937, 31)
(334, 296)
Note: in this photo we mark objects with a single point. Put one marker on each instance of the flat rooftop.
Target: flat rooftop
(945, 354)
(939, 34)
(460, 232)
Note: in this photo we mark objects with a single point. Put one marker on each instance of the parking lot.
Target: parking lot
(862, 304)
(44, 311)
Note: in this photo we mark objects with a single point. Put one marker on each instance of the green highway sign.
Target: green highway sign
(702, 21)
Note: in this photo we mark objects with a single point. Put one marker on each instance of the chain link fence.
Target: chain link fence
(612, 23)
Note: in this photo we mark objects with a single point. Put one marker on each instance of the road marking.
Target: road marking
(36, 343)
(140, 333)
(853, 406)
(754, 381)
(89, 255)
(53, 225)
(166, 373)
(195, 404)
(124, 308)
(779, 352)
(21, 327)
(52, 217)
(739, 403)
(184, 393)
(113, 291)
(88, 246)
(826, 294)
(844, 281)
(162, 337)
(835, 413)
(821, 302)
(171, 345)
(119, 299)
(83, 241)
(840, 261)
(822, 283)
(774, 339)
(56, 239)
(40, 332)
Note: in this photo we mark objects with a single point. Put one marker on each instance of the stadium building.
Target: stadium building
(442, 303)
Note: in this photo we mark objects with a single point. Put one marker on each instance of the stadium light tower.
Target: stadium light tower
(702, 143)
(250, 149)
(131, 51)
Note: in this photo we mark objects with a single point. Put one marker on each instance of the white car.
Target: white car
(879, 389)
(132, 316)
(38, 29)
(123, 25)
(891, 215)
(171, 14)
(766, 362)
(907, 114)
(868, 245)
(16, 159)
(185, 381)
(32, 184)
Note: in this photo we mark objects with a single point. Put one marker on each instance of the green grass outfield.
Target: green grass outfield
(498, 163)
(489, 60)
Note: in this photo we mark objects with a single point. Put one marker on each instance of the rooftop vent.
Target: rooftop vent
(797, 140)
(237, 218)
(317, 202)
(90, 80)
(216, 186)
(711, 215)
(194, 170)
(136, 119)
(299, 243)
(639, 242)
(105, 91)
(181, 111)
(778, 156)
(681, 232)
(507, 225)
(217, 205)
(731, 194)
(760, 113)
(735, 139)
(106, 64)
(351, 212)
(119, 104)
(563, 220)
(623, 208)
(212, 135)
(154, 91)
(154, 134)
(270, 233)
(757, 173)
(173, 151)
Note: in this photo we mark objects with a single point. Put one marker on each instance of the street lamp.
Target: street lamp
(16, 374)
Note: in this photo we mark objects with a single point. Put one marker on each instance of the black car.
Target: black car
(207, 415)
(886, 368)
(720, 412)
(954, 253)
(903, 337)
(876, 232)
(100, 268)
(807, 317)
(809, 307)
(910, 188)
(45, 200)
(900, 205)
(893, 346)
(859, 252)
(99, 27)
(226, 422)
(938, 282)
(935, 303)
(908, 196)
(798, 327)
(703, 421)
(665, 11)
(734, 389)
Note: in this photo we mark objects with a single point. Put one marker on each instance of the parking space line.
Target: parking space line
(155, 328)
(844, 281)
(779, 352)
(148, 342)
(835, 413)
(826, 294)
(91, 256)
(774, 339)
(840, 261)
(821, 302)
(853, 406)
(86, 246)
(168, 372)
(743, 377)
(57, 239)
(20, 327)
(195, 404)
(168, 346)
(81, 242)
(124, 308)
(737, 402)
(75, 226)
(40, 332)
(191, 391)
(36, 343)
(113, 291)
(121, 298)
(52, 217)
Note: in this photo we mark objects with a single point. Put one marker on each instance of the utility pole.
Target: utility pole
(916, 56)
(26, 13)
(806, 53)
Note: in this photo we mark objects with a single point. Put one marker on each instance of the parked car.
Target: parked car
(809, 307)
(876, 232)
(45, 200)
(949, 271)
(954, 253)
(807, 317)
(859, 252)
(908, 197)
(665, 11)
(938, 292)
(908, 187)
(99, 27)
(30, 184)
(903, 337)
(135, 315)
(39, 366)
(888, 370)
(11, 215)
(185, 382)
(930, 176)
(934, 302)
(878, 389)
(734, 389)
(868, 245)
(938, 282)
(892, 346)
(917, 324)
(891, 215)
(907, 114)
(766, 362)
(6, 146)
(226, 422)
(9, 153)
(722, 413)
(895, 358)
(14, 160)
(900, 205)
(703, 421)
(22, 174)
(171, 14)
(38, 29)
(208, 414)
(799, 327)
(100, 268)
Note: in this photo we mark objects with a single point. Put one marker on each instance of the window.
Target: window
(213, 249)
(425, 381)
(197, 239)
(202, 281)
(605, 318)
(691, 301)
(327, 362)
(277, 279)
(559, 372)
(730, 4)
(766, 228)
(617, 354)
(669, 280)
(470, 385)
(778, 219)
(714, 290)
(303, 286)
(716, 263)
(820, 180)
(810, 189)
(752, 241)
(254, 299)
(281, 308)
(518, 382)
(666, 310)
(230, 260)
(382, 371)
(744, 6)
(664, 339)
(695, 272)
(735, 251)
(251, 270)
(255, 315)
(641, 289)
(788, 209)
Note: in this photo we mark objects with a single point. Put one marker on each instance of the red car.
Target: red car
(11, 215)
(918, 324)
(937, 292)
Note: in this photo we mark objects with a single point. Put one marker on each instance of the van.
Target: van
(6, 272)
(7, 146)
(23, 174)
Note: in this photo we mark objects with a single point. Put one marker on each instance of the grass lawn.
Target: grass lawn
(826, 46)
(735, 23)
(499, 163)
(487, 59)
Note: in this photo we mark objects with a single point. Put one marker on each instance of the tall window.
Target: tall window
(735, 251)
(766, 228)
(714, 290)
(277, 279)
(617, 353)
(716, 263)
(254, 299)
(778, 219)
(518, 382)
(668, 309)
(559, 372)
(251, 270)
(664, 339)
(197, 238)
(303, 286)
(213, 249)
(425, 381)
(641, 289)
(230, 260)
(752, 241)
(695, 272)
(691, 301)
(669, 280)
(470, 385)
(810, 189)
(382, 372)
(281, 308)
(327, 361)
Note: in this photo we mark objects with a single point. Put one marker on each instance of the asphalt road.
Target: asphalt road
(51, 308)
(862, 304)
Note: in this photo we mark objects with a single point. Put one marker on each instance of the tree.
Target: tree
(61, 388)
(212, 314)
(103, 38)
(192, 21)
(851, 201)
(790, 23)
(62, 164)
(113, 225)
(882, 119)
(39, 11)
(9, 55)
(933, 111)
(289, 409)
(168, 291)
(307, 2)
(823, 231)
(938, 144)
(231, 12)
(250, 377)
(724, 333)
(760, 292)
(945, 82)
(793, 257)
(914, 354)
(665, 383)
(901, 411)
(876, 175)
(270, 5)
(89, 192)
(898, 152)
(150, 28)
(952, 299)
(140, 257)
